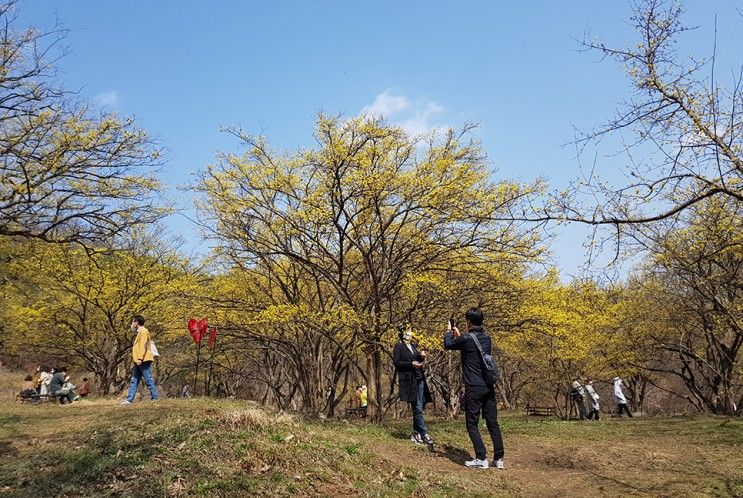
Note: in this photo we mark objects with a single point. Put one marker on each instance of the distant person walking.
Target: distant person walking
(593, 400)
(143, 358)
(619, 396)
(479, 397)
(413, 385)
(362, 393)
(576, 394)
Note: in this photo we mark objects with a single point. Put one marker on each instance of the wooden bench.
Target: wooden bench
(358, 412)
(39, 398)
(540, 411)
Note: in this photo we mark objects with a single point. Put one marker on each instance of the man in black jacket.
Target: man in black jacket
(478, 395)
(413, 386)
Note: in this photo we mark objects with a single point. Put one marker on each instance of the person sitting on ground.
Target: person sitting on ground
(593, 399)
(619, 396)
(36, 381)
(59, 386)
(45, 377)
(576, 394)
(28, 387)
(84, 390)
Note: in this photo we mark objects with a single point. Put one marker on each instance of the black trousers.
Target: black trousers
(593, 414)
(623, 407)
(581, 407)
(477, 400)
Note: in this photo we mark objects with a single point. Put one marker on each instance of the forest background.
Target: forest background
(318, 254)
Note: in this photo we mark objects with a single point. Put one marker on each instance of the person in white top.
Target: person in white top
(593, 399)
(45, 378)
(619, 396)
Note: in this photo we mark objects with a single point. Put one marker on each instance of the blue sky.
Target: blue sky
(184, 69)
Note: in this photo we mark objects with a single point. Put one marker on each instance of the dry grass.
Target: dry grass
(10, 384)
(231, 448)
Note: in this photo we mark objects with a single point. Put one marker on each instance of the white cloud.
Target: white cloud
(413, 117)
(108, 99)
(385, 104)
(420, 122)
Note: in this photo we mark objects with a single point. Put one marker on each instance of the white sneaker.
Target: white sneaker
(125, 402)
(498, 464)
(478, 464)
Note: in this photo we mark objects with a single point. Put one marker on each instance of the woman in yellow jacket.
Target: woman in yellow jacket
(143, 358)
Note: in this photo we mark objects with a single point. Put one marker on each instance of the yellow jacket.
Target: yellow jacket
(142, 350)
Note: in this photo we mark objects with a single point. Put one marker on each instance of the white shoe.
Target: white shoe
(478, 464)
(498, 464)
(125, 402)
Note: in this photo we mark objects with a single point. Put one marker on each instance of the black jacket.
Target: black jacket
(406, 374)
(471, 361)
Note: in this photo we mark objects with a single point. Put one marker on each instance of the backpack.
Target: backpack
(490, 372)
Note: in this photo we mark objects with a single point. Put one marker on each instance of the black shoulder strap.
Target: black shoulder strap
(479, 347)
(483, 364)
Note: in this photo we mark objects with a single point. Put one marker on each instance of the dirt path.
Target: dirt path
(656, 463)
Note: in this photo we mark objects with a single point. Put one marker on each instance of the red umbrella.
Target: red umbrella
(198, 330)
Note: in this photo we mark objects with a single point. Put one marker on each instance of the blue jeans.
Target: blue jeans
(419, 425)
(138, 371)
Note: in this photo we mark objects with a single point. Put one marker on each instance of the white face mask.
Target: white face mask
(134, 327)
(407, 336)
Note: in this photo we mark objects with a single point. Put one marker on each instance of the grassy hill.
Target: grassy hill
(233, 448)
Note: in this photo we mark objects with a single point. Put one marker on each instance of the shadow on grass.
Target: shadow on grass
(399, 433)
(456, 455)
(7, 449)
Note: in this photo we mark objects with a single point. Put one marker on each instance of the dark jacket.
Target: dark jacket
(471, 362)
(57, 382)
(408, 376)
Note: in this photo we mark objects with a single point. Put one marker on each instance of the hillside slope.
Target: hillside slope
(233, 448)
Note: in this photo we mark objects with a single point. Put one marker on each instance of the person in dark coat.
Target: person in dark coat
(479, 395)
(413, 386)
(577, 395)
